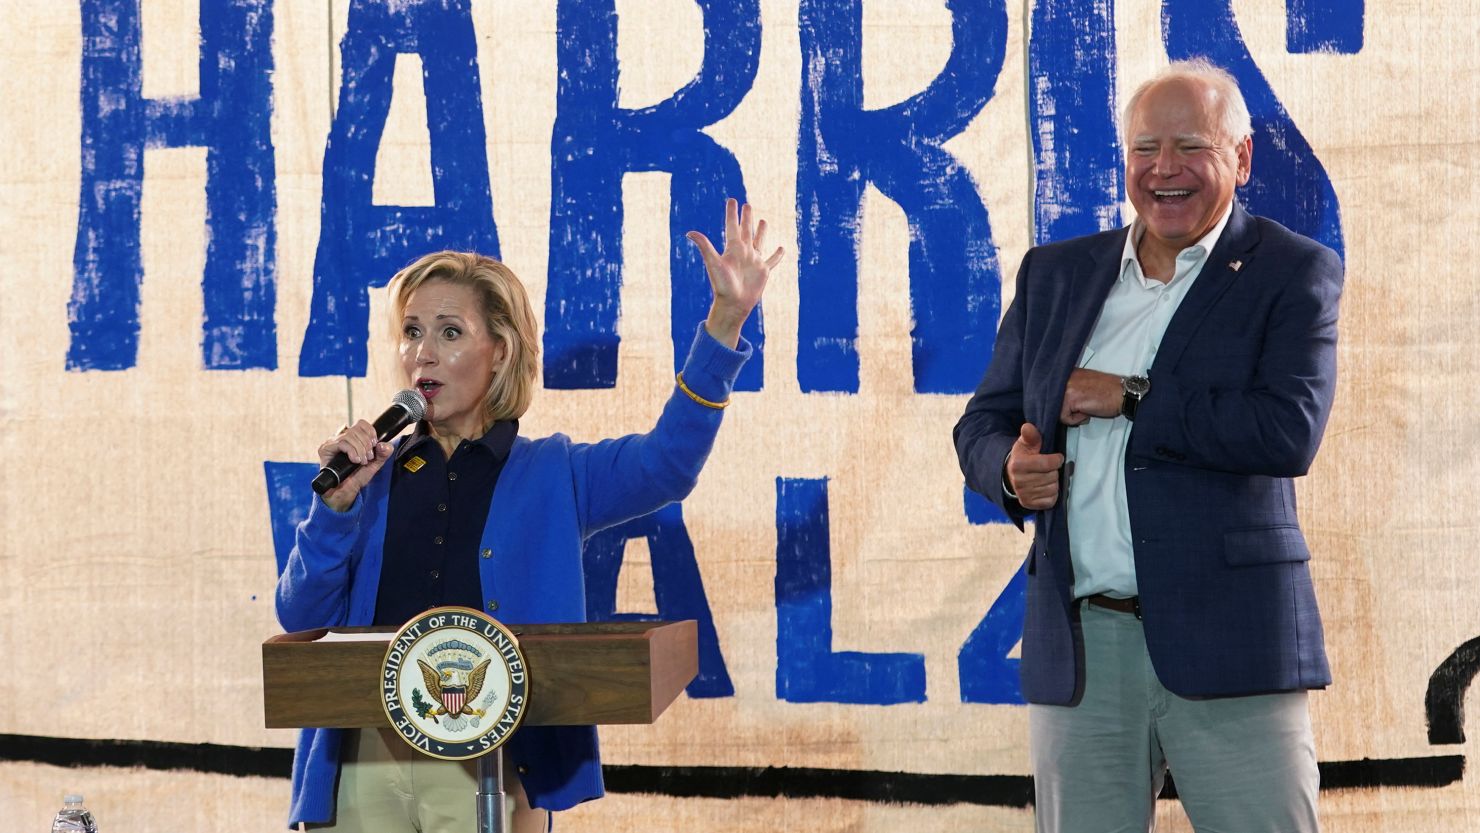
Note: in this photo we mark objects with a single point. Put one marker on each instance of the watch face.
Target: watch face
(1137, 385)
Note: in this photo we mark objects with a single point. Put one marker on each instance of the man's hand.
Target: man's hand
(1033, 476)
(1091, 393)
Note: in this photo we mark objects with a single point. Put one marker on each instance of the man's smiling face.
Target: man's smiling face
(1182, 168)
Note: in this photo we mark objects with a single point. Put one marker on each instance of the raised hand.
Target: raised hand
(738, 275)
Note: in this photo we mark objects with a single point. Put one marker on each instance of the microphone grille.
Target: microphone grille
(414, 403)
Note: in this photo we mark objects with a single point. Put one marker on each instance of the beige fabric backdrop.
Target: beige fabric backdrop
(136, 566)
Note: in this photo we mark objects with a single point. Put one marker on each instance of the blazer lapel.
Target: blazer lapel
(1093, 278)
(1231, 255)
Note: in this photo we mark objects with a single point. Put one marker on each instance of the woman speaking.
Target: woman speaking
(464, 511)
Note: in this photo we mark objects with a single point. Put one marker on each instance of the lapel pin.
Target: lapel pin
(1235, 265)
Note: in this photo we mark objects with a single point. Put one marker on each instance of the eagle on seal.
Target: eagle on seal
(455, 699)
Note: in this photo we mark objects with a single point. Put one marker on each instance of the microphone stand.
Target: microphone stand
(491, 796)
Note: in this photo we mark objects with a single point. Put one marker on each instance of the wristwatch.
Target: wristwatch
(1135, 389)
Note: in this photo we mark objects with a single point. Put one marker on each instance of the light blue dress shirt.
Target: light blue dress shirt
(1123, 342)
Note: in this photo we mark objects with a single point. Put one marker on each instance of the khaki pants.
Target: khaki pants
(385, 786)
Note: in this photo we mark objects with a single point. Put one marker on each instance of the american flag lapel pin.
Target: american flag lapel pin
(1235, 265)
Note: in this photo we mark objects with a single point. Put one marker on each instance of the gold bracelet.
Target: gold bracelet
(718, 406)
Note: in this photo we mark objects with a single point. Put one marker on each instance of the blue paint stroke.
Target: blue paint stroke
(1289, 185)
(678, 588)
(1324, 26)
(1077, 164)
(808, 670)
(231, 119)
(289, 495)
(987, 674)
(980, 511)
(361, 245)
(955, 282)
(595, 143)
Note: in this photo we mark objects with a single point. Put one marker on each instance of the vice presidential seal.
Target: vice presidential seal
(453, 683)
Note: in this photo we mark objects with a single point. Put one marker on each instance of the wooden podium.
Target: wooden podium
(580, 674)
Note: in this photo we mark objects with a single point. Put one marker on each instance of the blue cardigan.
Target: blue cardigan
(551, 496)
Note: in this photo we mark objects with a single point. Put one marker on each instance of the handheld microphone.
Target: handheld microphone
(407, 407)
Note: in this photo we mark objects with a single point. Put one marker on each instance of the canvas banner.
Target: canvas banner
(202, 201)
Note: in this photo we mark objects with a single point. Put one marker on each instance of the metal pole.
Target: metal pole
(491, 792)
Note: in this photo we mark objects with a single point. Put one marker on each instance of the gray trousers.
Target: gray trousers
(1242, 764)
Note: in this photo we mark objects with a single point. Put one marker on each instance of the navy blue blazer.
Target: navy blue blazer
(1241, 387)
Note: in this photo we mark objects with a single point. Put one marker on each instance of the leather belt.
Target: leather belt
(1131, 605)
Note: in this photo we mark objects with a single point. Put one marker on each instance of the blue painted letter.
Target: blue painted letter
(595, 143)
(1324, 26)
(808, 670)
(1288, 184)
(678, 587)
(980, 511)
(232, 120)
(987, 674)
(955, 284)
(360, 244)
(1071, 103)
(289, 495)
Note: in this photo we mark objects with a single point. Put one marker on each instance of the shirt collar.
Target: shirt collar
(1198, 251)
(498, 439)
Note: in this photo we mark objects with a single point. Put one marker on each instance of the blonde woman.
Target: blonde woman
(466, 511)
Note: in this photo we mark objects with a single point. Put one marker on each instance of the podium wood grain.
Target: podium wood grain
(579, 674)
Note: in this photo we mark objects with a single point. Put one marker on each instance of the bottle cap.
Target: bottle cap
(72, 798)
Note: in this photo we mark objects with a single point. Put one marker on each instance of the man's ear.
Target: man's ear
(1245, 151)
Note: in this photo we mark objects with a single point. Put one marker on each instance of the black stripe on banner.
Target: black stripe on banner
(214, 759)
(699, 781)
(1434, 771)
(802, 782)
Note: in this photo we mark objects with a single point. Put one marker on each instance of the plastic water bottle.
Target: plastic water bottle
(73, 817)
